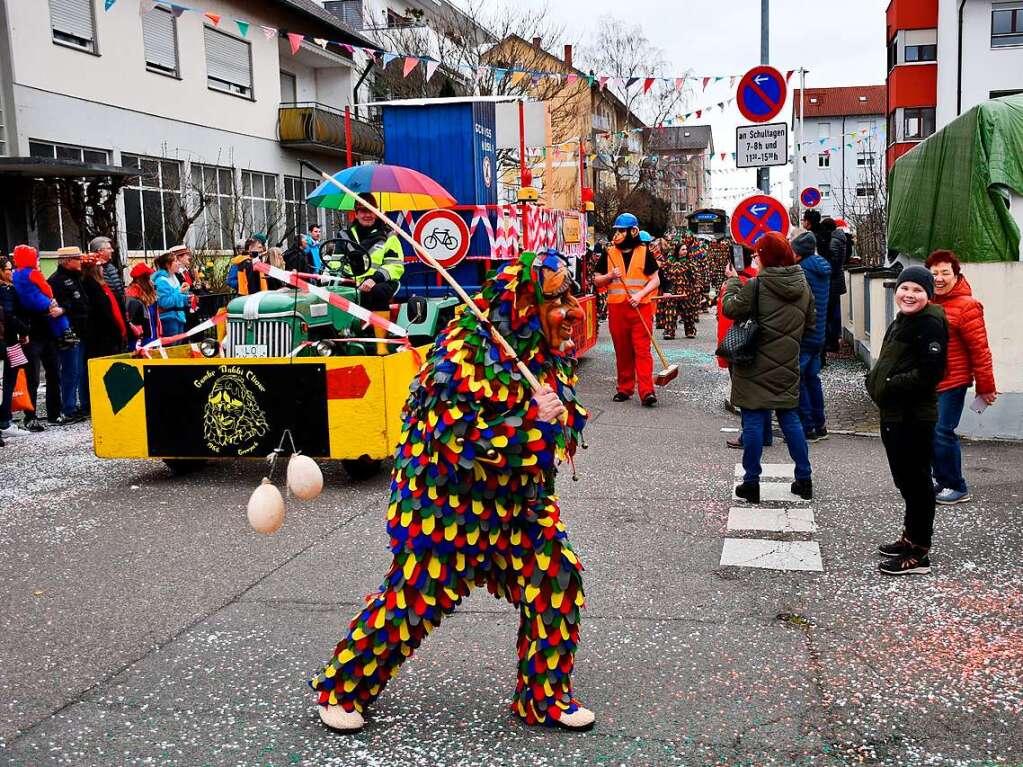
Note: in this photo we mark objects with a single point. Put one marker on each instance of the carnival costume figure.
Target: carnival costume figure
(473, 504)
(681, 273)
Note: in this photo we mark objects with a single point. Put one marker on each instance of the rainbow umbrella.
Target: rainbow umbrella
(393, 186)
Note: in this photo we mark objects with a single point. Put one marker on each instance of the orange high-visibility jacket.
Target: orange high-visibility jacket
(634, 276)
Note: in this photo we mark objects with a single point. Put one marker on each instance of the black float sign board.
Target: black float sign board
(233, 411)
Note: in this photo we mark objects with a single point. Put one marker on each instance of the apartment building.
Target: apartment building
(851, 120)
(201, 108)
(681, 167)
(945, 56)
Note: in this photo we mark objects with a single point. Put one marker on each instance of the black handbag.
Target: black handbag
(739, 346)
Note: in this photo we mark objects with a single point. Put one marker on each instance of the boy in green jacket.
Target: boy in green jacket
(904, 384)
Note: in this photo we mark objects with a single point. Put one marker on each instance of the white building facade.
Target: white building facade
(841, 148)
(202, 105)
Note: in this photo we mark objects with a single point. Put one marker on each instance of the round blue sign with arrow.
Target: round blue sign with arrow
(756, 216)
(761, 94)
(810, 197)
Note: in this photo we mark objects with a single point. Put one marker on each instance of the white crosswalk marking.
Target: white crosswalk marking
(770, 471)
(772, 520)
(772, 555)
(775, 491)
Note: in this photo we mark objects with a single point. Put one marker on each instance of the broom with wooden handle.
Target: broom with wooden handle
(670, 372)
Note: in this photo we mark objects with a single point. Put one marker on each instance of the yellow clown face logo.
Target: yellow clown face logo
(232, 417)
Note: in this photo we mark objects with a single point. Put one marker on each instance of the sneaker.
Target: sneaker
(803, 488)
(749, 491)
(899, 548)
(68, 340)
(816, 435)
(34, 425)
(949, 497)
(909, 563)
(620, 397)
(65, 420)
(13, 431)
(735, 443)
(649, 400)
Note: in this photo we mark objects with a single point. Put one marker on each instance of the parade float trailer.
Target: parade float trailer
(961, 189)
(286, 361)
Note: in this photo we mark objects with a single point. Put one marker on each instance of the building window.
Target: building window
(289, 88)
(160, 41)
(824, 130)
(152, 204)
(893, 52)
(1006, 24)
(53, 219)
(261, 210)
(228, 63)
(349, 11)
(825, 191)
(72, 23)
(865, 190)
(917, 123)
(892, 124)
(824, 160)
(296, 190)
(921, 53)
(999, 94)
(865, 159)
(217, 226)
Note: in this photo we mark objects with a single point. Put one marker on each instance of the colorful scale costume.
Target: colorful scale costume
(473, 504)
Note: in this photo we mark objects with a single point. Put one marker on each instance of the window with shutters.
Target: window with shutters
(152, 204)
(160, 41)
(73, 23)
(228, 63)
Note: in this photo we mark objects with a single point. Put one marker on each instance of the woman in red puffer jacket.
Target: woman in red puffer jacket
(969, 360)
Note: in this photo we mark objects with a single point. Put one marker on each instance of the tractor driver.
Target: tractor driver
(379, 283)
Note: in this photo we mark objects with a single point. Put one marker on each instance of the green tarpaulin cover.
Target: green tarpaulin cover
(951, 191)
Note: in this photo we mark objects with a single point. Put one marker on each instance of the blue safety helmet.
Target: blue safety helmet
(625, 221)
(645, 236)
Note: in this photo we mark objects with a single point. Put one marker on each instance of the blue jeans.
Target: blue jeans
(948, 459)
(811, 392)
(73, 383)
(754, 423)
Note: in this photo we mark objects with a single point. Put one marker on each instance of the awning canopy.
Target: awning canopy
(47, 167)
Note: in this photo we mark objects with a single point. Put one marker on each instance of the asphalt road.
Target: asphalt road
(143, 622)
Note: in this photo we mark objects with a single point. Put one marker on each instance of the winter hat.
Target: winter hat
(918, 275)
(805, 245)
(25, 257)
(140, 270)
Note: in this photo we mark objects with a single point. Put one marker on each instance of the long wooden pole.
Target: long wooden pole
(526, 372)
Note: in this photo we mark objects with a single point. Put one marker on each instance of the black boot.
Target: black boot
(749, 491)
(803, 488)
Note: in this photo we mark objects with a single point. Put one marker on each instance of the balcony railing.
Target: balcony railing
(309, 125)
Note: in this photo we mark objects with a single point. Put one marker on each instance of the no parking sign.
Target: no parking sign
(810, 197)
(756, 216)
(761, 94)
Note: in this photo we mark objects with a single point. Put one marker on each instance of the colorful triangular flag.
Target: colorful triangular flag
(632, 81)
(108, 4)
(296, 41)
(648, 84)
(788, 75)
(214, 17)
(321, 42)
(705, 81)
(177, 10)
(603, 81)
(411, 62)
(680, 83)
(243, 27)
(431, 68)
(269, 32)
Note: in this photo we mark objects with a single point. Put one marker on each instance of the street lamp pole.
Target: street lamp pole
(764, 174)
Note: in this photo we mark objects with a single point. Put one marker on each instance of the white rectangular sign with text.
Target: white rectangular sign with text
(760, 146)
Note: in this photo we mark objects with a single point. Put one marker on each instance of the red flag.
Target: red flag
(723, 155)
(214, 17)
(788, 75)
(698, 113)
(410, 64)
(296, 41)
(647, 84)
(603, 81)
(705, 81)
(680, 83)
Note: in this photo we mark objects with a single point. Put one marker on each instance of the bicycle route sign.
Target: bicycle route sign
(761, 94)
(444, 235)
(756, 216)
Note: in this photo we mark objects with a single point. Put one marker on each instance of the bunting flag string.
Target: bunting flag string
(645, 82)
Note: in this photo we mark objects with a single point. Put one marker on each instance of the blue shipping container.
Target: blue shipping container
(454, 144)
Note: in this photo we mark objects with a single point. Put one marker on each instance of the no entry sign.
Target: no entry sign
(761, 94)
(444, 235)
(756, 216)
(810, 197)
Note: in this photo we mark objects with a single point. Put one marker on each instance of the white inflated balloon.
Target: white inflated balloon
(305, 480)
(266, 508)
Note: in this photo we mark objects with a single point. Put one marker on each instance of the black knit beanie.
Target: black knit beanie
(920, 275)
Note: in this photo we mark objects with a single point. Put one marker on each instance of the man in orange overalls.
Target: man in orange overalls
(629, 274)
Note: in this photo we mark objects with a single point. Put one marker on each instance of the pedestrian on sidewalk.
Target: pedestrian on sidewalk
(969, 359)
(811, 393)
(14, 327)
(837, 252)
(630, 287)
(904, 384)
(140, 307)
(113, 275)
(69, 291)
(108, 332)
(172, 298)
(780, 301)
